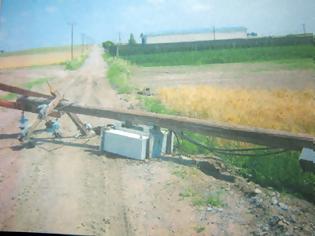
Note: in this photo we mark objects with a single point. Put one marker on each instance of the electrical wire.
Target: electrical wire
(235, 152)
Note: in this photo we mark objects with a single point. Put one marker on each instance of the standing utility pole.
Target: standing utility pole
(213, 32)
(117, 48)
(0, 13)
(71, 25)
(304, 28)
(82, 47)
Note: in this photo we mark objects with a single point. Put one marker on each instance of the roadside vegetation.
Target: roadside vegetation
(76, 63)
(118, 74)
(153, 104)
(230, 55)
(213, 199)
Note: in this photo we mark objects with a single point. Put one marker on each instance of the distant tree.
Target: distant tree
(108, 45)
(132, 40)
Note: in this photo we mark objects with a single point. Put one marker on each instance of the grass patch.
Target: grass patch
(187, 193)
(9, 96)
(199, 229)
(118, 74)
(230, 55)
(153, 104)
(180, 172)
(75, 63)
(35, 83)
(213, 199)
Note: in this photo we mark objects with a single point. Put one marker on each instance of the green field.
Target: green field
(233, 55)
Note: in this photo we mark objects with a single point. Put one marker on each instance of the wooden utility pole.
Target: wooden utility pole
(304, 28)
(117, 48)
(213, 32)
(57, 105)
(0, 13)
(82, 46)
(71, 25)
(266, 137)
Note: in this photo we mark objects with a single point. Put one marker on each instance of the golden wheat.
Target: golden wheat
(38, 59)
(280, 109)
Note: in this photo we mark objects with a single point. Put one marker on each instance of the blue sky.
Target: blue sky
(40, 23)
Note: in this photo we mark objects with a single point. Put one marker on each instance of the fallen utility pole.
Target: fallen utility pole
(17, 106)
(25, 92)
(265, 137)
(14, 105)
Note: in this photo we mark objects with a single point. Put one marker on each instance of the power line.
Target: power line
(244, 152)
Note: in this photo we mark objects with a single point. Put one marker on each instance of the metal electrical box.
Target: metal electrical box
(137, 141)
(161, 141)
(157, 142)
(307, 160)
(123, 143)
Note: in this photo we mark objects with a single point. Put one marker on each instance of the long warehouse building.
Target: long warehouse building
(196, 35)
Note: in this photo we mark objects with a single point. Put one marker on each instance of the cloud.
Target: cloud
(51, 9)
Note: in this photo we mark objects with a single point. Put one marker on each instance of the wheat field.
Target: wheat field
(280, 109)
(41, 58)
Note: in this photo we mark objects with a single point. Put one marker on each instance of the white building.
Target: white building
(196, 35)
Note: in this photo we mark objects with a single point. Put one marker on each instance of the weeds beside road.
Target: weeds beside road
(118, 74)
(76, 63)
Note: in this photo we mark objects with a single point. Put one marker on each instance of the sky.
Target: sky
(43, 23)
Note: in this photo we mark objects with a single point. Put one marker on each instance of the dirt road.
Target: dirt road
(66, 190)
(67, 187)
